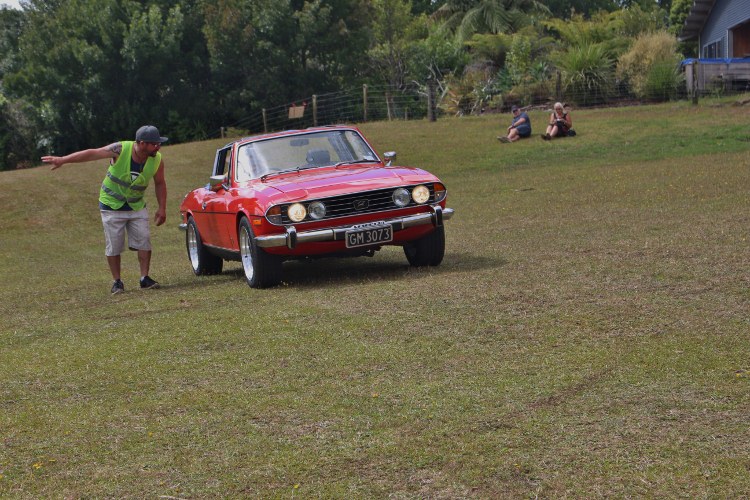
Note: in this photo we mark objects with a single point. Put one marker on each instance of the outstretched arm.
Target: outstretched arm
(111, 151)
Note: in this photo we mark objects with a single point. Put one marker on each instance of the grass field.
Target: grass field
(587, 335)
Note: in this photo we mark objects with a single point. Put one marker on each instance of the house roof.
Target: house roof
(696, 19)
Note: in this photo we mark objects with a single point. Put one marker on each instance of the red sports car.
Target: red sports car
(304, 193)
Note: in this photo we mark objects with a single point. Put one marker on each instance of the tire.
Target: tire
(262, 270)
(202, 261)
(428, 250)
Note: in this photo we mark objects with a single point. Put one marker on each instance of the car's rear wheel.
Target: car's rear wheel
(428, 250)
(262, 269)
(201, 260)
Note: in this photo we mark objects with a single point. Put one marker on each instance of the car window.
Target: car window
(315, 149)
(221, 164)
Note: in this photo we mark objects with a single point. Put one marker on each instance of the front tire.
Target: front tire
(262, 270)
(428, 250)
(201, 260)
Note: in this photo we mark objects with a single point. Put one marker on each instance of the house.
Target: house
(723, 31)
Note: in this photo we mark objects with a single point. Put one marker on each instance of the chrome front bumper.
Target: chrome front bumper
(291, 238)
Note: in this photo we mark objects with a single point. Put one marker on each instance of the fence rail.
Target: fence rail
(370, 103)
(375, 103)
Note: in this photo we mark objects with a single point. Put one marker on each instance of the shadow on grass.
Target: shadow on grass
(327, 271)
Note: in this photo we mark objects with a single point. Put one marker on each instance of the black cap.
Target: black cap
(149, 133)
(514, 108)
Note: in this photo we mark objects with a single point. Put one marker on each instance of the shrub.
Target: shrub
(650, 66)
(663, 82)
(587, 72)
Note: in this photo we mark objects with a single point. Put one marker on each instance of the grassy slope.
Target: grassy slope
(586, 335)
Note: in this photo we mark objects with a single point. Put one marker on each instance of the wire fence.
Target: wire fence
(384, 102)
(369, 103)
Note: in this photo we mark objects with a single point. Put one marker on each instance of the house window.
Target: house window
(713, 50)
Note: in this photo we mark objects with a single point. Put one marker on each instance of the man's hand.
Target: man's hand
(56, 161)
(160, 217)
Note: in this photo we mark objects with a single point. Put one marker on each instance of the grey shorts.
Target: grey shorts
(117, 222)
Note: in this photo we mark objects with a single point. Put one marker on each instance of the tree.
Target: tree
(392, 25)
(467, 17)
(565, 9)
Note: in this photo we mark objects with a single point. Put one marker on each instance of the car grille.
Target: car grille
(358, 203)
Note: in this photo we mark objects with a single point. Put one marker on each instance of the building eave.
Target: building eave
(696, 19)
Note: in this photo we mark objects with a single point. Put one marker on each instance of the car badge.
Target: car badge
(361, 204)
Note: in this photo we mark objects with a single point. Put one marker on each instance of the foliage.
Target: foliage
(465, 18)
(489, 47)
(393, 26)
(587, 72)
(677, 16)
(20, 135)
(519, 59)
(566, 9)
(651, 66)
(87, 72)
(635, 21)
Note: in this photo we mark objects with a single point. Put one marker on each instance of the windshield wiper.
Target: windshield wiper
(351, 162)
(288, 170)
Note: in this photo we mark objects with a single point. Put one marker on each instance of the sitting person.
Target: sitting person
(559, 123)
(519, 127)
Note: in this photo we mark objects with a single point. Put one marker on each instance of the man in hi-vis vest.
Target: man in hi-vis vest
(132, 165)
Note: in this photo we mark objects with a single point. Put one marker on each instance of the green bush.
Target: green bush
(663, 82)
(587, 72)
(650, 66)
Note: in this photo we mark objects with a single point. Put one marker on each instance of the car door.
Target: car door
(213, 206)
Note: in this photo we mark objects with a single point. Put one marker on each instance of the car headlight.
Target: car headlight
(296, 212)
(401, 197)
(317, 210)
(420, 194)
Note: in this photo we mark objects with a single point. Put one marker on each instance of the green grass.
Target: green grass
(587, 335)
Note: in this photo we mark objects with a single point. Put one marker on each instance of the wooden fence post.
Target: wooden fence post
(388, 105)
(315, 110)
(431, 100)
(265, 121)
(364, 102)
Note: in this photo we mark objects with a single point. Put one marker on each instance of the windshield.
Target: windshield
(291, 152)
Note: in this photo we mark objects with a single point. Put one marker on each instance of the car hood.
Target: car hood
(330, 181)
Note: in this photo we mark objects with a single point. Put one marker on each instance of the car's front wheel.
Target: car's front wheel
(201, 260)
(261, 269)
(428, 250)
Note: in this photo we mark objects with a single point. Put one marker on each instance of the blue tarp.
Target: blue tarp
(729, 60)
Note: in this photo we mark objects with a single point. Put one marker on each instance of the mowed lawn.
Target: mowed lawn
(587, 335)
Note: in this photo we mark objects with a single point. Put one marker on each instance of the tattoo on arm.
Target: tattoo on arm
(116, 148)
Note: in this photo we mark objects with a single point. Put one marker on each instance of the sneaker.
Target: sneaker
(502, 138)
(118, 287)
(147, 283)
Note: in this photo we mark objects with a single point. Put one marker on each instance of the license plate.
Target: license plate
(368, 234)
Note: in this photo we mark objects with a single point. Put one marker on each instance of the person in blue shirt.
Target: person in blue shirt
(519, 127)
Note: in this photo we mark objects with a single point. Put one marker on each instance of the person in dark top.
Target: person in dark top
(520, 126)
(559, 123)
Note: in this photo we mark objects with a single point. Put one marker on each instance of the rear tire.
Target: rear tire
(428, 250)
(262, 270)
(201, 259)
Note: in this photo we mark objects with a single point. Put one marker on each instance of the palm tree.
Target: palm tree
(467, 17)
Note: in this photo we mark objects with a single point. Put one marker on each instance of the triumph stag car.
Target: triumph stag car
(315, 192)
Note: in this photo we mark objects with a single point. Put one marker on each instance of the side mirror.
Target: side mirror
(390, 157)
(216, 182)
